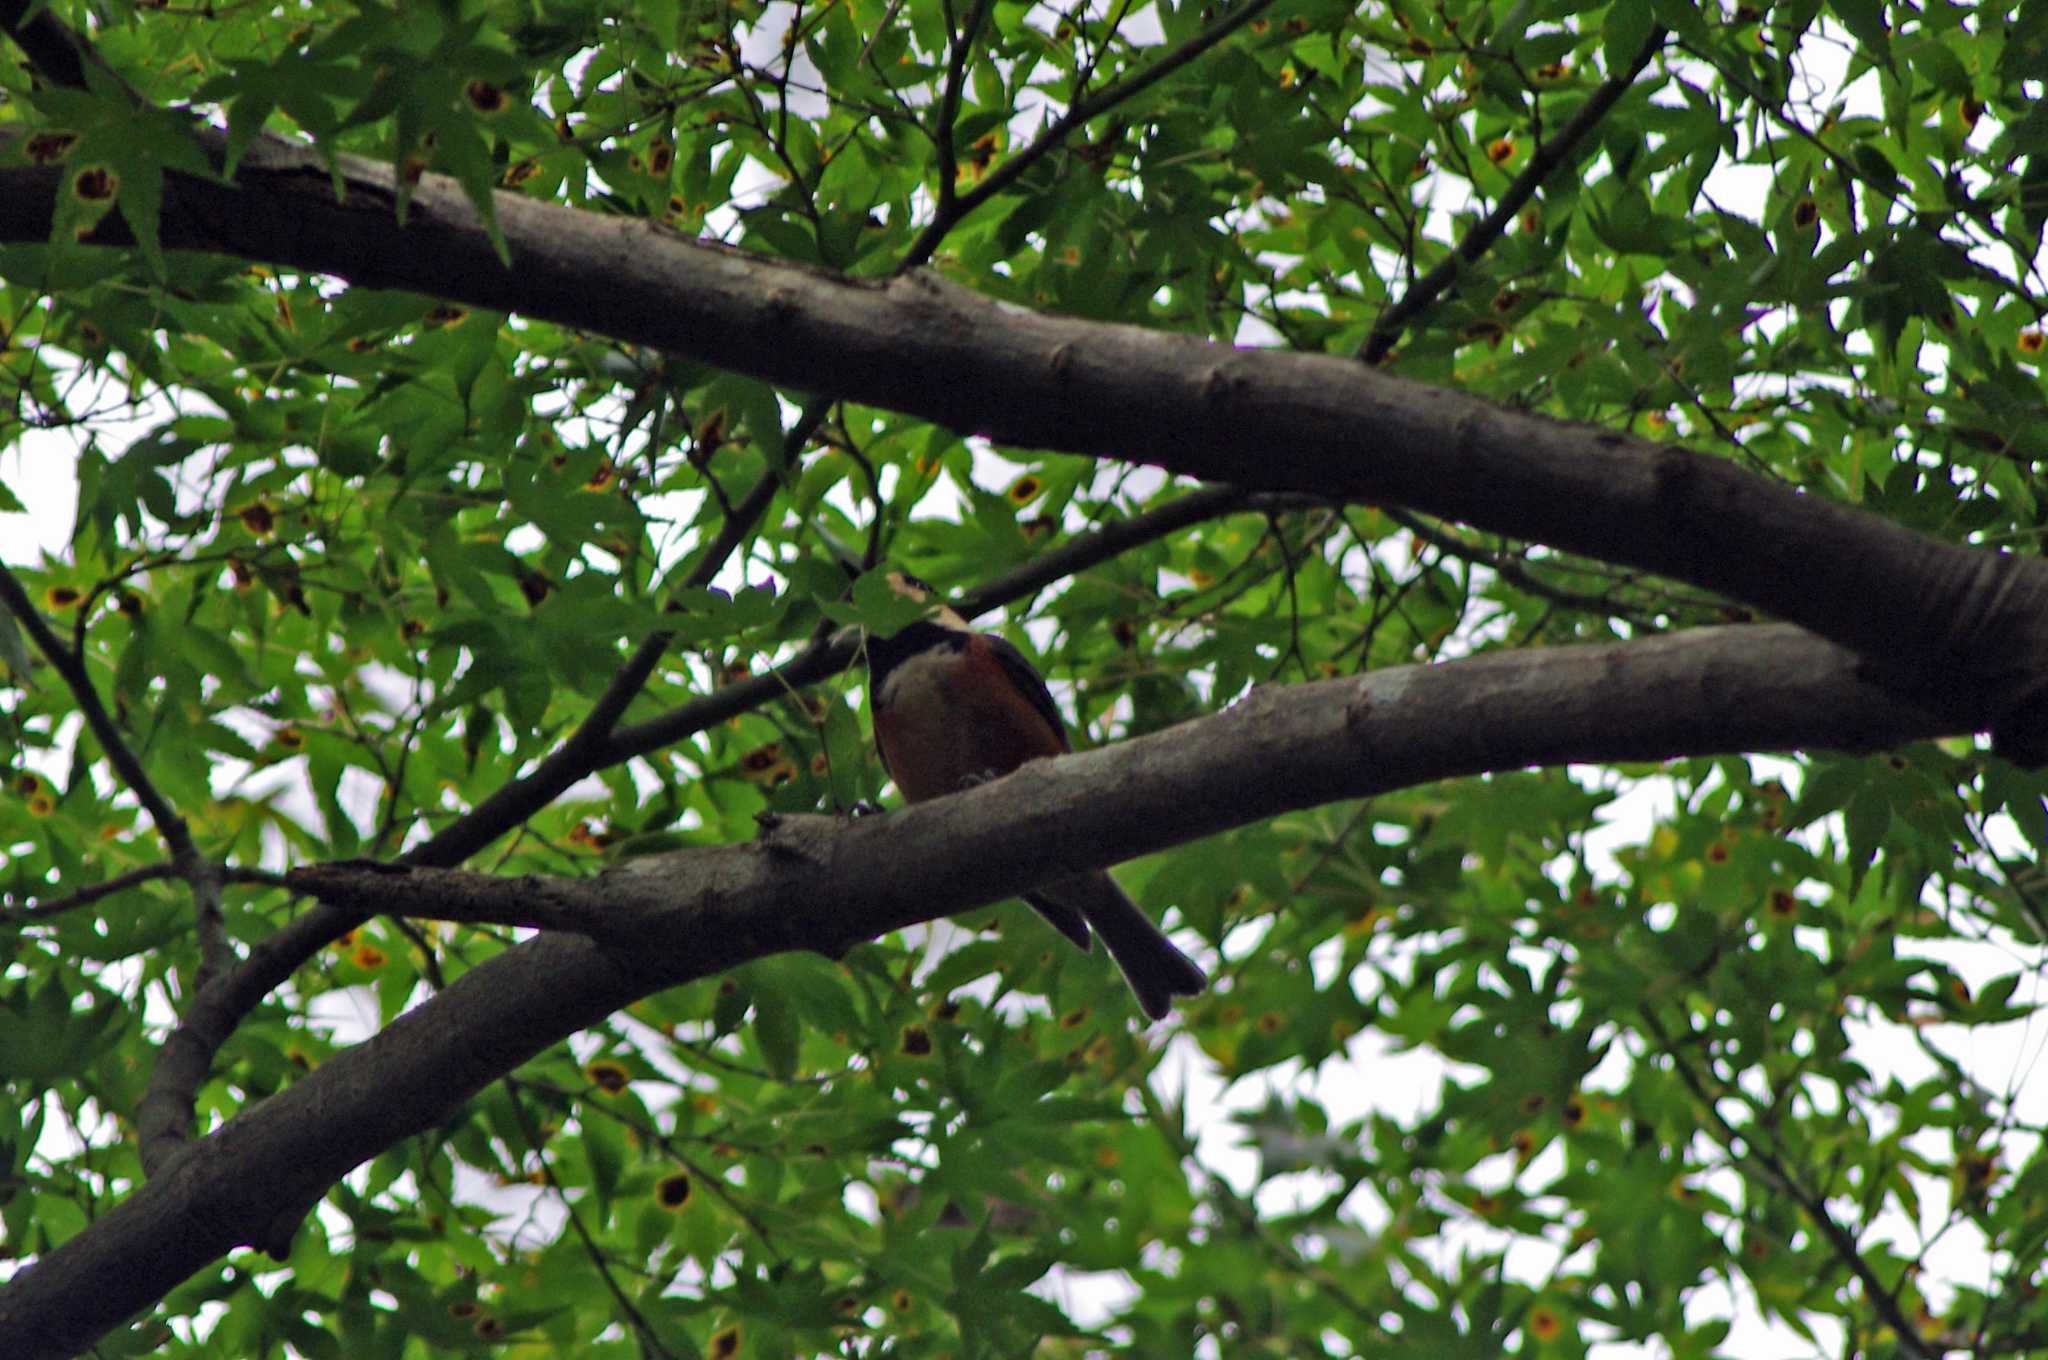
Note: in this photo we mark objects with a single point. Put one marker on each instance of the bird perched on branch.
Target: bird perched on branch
(954, 708)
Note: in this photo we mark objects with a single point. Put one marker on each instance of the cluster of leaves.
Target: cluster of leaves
(346, 564)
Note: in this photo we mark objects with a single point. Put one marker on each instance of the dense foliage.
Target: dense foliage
(1726, 1041)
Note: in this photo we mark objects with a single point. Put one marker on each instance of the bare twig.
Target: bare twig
(650, 1339)
(164, 1116)
(29, 912)
(1507, 568)
(71, 667)
(1007, 173)
(1169, 1124)
(949, 107)
(1770, 1168)
(1386, 332)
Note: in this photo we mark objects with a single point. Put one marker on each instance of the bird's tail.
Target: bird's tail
(1156, 970)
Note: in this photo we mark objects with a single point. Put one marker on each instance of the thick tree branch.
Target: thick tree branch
(164, 1115)
(1932, 615)
(822, 884)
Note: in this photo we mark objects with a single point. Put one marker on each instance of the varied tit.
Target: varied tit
(954, 708)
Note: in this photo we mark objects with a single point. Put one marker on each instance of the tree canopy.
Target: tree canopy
(1531, 510)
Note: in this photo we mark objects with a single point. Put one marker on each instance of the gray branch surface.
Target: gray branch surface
(1932, 616)
(823, 884)
(1904, 637)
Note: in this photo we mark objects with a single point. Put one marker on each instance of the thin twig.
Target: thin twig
(1503, 566)
(830, 655)
(650, 1340)
(1006, 174)
(1386, 332)
(1248, 1219)
(164, 1115)
(1772, 1170)
(30, 912)
(71, 666)
(590, 747)
(888, 17)
(949, 107)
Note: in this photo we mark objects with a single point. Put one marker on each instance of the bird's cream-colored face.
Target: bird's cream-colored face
(910, 588)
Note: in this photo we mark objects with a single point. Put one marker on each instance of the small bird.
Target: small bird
(954, 708)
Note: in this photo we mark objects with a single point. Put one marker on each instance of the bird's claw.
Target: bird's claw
(792, 833)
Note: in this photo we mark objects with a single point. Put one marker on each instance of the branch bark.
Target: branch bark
(1930, 615)
(1965, 631)
(825, 885)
